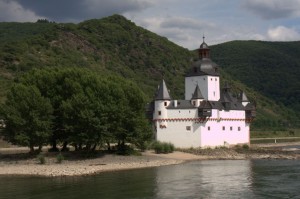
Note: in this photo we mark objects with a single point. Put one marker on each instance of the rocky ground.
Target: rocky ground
(17, 161)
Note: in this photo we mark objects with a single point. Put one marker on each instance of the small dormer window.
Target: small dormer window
(166, 103)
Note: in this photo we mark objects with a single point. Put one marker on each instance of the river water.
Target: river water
(199, 179)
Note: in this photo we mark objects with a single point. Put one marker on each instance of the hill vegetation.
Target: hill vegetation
(266, 71)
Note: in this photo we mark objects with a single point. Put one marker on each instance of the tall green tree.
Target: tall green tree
(28, 117)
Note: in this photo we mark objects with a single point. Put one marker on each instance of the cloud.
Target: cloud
(13, 11)
(186, 23)
(184, 31)
(79, 10)
(273, 9)
(282, 33)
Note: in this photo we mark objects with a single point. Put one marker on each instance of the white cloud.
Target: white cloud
(13, 11)
(184, 31)
(273, 9)
(281, 33)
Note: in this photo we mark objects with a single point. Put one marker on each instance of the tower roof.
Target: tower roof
(204, 45)
(204, 65)
(197, 93)
(243, 97)
(162, 92)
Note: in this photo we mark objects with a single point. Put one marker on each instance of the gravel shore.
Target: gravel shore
(13, 161)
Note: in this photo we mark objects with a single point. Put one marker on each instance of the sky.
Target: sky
(183, 22)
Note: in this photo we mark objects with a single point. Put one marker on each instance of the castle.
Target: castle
(209, 116)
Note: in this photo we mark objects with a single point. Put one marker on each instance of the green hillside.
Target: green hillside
(271, 68)
(116, 45)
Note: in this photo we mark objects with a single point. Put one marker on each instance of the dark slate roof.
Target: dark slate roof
(162, 92)
(250, 107)
(204, 66)
(205, 104)
(197, 93)
(203, 46)
(216, 105)
(227, 98)
(181, 104)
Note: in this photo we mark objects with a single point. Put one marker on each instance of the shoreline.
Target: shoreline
(110, 162)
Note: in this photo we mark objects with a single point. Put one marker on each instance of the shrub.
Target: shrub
(60, 158)
(127, 150)
(41, 158)
(245, 146)
(163, 147)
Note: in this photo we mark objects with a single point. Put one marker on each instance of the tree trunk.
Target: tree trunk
(54, 146)
(94, 147)
(65, 147)
(108, 146)
(40, 148)
(31, 148)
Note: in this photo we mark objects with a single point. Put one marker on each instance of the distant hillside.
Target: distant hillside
(271, 68)
(116, 45)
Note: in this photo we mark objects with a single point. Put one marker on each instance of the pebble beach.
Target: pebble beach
(111, 162)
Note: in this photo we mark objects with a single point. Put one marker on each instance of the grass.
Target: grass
(275, 134)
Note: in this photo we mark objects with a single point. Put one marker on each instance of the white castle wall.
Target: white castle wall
(184, 133)
(209, 87)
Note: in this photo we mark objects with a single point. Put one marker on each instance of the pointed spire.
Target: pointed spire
(204, 50)
(162, 92)
(243, 97)
(197, 93)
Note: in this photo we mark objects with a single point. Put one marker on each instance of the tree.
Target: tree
(28, 117)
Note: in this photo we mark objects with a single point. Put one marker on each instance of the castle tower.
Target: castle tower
(162, 100)
(204, 74)
(197, 97)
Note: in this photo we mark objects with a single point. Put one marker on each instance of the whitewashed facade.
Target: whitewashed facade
(209, 116)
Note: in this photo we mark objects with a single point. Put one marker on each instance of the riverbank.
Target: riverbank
(16, 161)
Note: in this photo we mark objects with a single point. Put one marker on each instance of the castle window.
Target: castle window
(203, 78)
(223, 128)
(239, 128)
(165, 103)
(208, 128)
(188, 128)
(214, 93)
(231, 128)
(159, 112)
(215, 79)
(194, 103)
(210, 79)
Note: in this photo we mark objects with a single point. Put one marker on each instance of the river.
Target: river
(198, 179)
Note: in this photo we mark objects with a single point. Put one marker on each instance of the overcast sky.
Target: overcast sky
(181, 21)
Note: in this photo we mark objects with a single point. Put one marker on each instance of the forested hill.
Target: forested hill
(116, 45)
(271, 68)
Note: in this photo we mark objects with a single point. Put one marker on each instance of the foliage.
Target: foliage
(60, 158)
(87, 109)
(28, 117)
(41, 159)
(163, 147)
(245, 146)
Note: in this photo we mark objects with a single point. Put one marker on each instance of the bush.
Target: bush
(41, 158)
(127, 150)
(163, 147)
(245, 146)
(60, 158)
